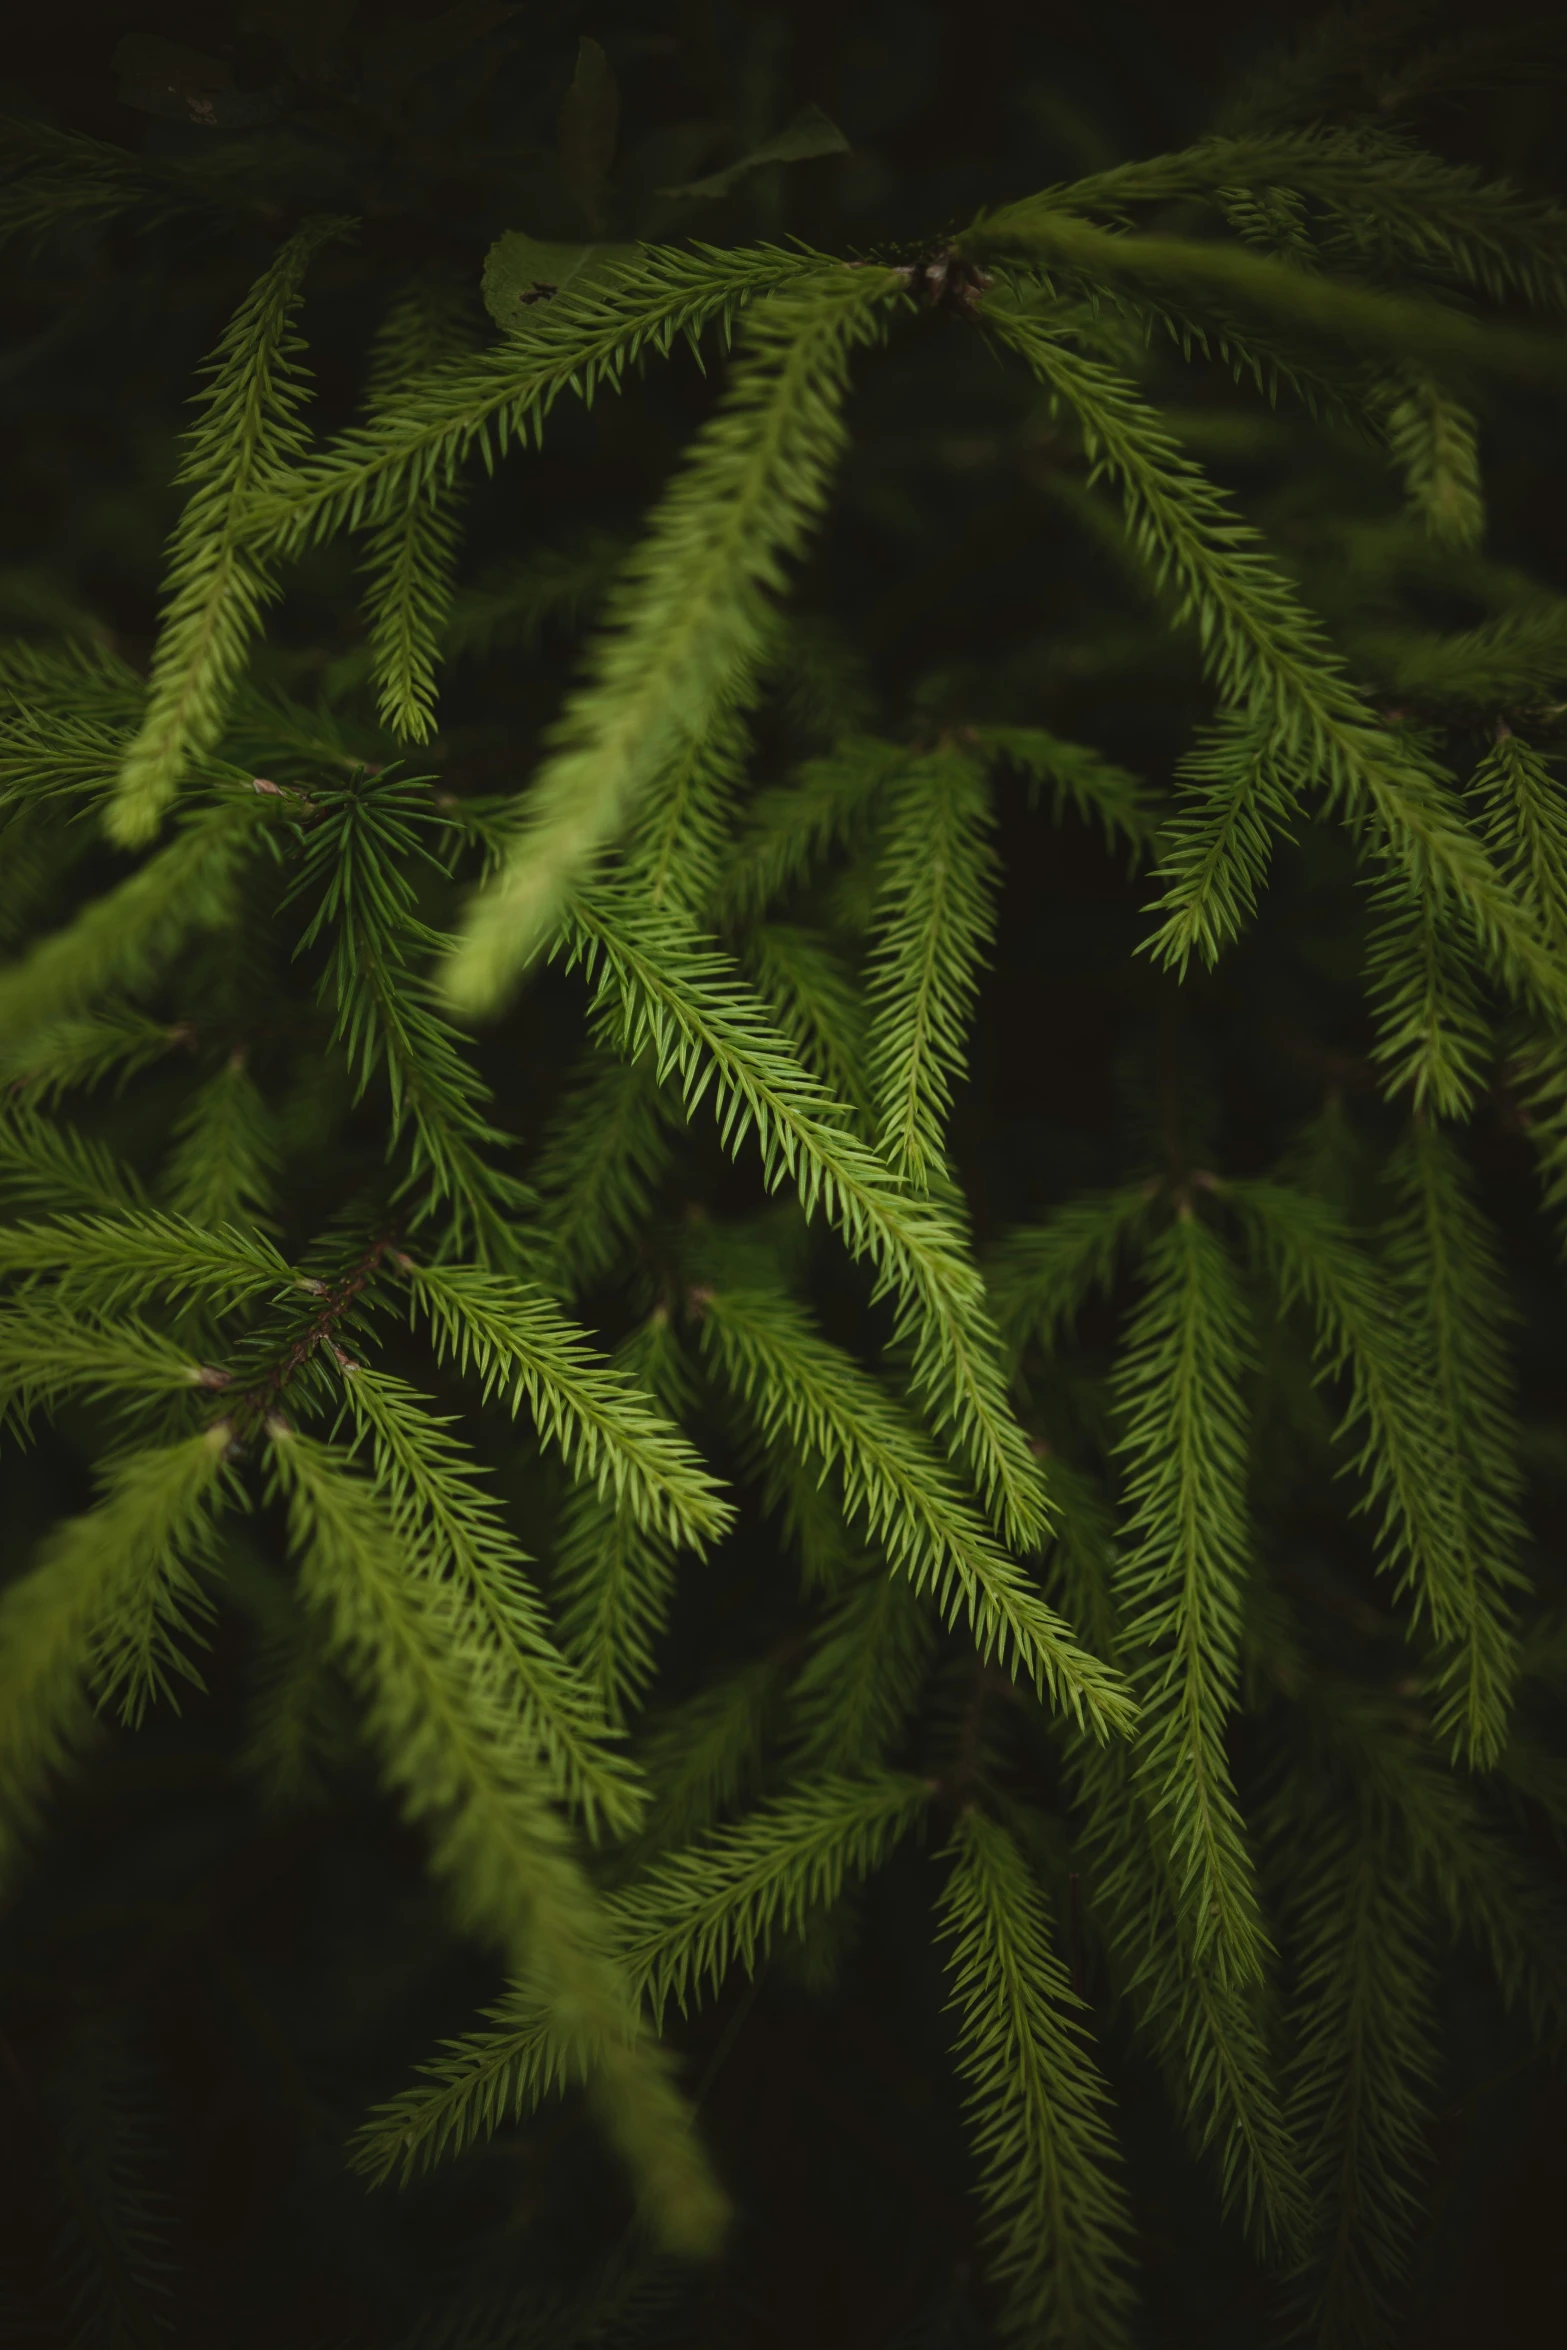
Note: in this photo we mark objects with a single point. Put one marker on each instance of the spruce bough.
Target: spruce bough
(1153, 1580)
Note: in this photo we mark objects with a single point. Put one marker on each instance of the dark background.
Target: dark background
(836, 2123)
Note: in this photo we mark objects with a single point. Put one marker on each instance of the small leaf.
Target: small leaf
(520, 270)
(808, 133)
(589, 122)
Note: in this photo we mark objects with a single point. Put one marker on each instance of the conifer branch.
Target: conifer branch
(704, 1757)
(299, 1720)
(1100, 792)
(411, 555)
(810, 1517)
(223, 1167)
(1441, 216)
(590, 334)
(48, 753)
(519, 1346)
(46, 1164)
(901, 1493)
(445, 1726)
(453, 1535)
(63, 179)
(47, 687)
(127, 1259)
(677, 998)
(1041, 1276)
(101, 1609)
(46, 1353)
(1480, 1878)
(1444, 1261)
(1055, 2209)
(678, 1931)
(1293, 711)
(816, 1004)
(1514, 662)
(677, 846)
(1181, 1579)
(1433, 1035)
(1447, 1567)
(116, 1040)
(853, 1699)
(688, 622)
(1317, 307)
(267, 727)
(362, 855)
(1206, 2034)
(217, 589)
(788, 828)
(1539, 1074)
(967, 1537)
(123, 939)
(412, 563)
(602, 1159)
(1234, 801)
(720, 1902)
(470, 2091)
(615, 1573)
(1362, 2065)
(613, 1581)
(94, 2125)
(935, 917)
(1525, 825)
(1432, 441)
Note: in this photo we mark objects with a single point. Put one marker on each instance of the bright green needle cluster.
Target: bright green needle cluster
(935, 920)
(1054, 2203)
(687, 625)
(218, 590)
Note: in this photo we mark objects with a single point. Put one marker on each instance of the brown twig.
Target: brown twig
(257, 1400)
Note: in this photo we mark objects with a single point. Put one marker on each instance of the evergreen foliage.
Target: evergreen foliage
(529, 1352)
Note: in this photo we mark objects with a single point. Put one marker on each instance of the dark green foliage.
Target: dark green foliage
(845, 1318)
